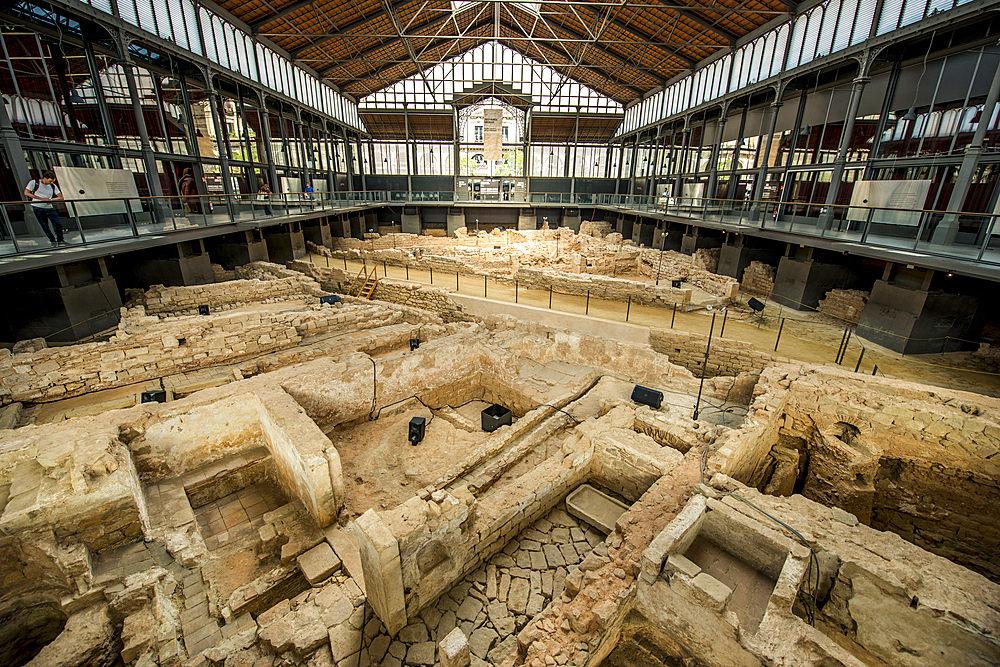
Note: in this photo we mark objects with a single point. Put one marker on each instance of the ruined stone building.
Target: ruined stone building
(345, 334)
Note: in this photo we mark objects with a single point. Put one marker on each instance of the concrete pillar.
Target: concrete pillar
(455, 220)
(802, 281)
(175, 265)
(370, 222)
(383, 570)
(526, 221)
(411, 221)
(317, 232)
(285, 242)
(571, 220)
(63, 304)
(739, 250)
(911, 318)
(689, 242)
(232, 250)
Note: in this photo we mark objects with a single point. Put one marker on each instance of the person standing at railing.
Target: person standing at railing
(265, 195)
(189, 192)
(309, 191)
(42, 193)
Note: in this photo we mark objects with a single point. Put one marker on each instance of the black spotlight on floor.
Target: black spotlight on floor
(414, 344)
(203, 310)
(417, 426)
(755, 305)
(676, 284)
(158, 396)
(330, 299)
(647, 396)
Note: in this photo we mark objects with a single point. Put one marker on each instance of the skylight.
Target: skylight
(533, 7)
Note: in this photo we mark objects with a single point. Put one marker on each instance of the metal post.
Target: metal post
(456, 281)
(550, 297)
(484, 286)
(841, 346)
(628, 308)
(345, 262)
(672, 316)
(725, 314)
(407, 271)
(515, 290)
(875, 369)
(846, 343)
(587, 310)
(860, 357)
(432, 275)
(780, 327)
(704, 366)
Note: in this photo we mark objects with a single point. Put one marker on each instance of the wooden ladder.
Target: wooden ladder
(368, 281)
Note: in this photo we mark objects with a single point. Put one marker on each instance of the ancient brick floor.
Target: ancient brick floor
(220, 520)
(497, 600)
(751, 589)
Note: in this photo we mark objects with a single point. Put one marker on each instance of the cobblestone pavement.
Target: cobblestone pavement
(495, 601)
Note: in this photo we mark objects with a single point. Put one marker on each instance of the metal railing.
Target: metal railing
(963, 236)
(90, 221)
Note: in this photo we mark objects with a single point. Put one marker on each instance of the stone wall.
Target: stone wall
(228, 295)
(726, 356)
(597, 228)
(146, 347)
(758, 278)
(604, 287)
(706, 259)
(423, 297)
(917, 461)
(844, 304)
(677, 266)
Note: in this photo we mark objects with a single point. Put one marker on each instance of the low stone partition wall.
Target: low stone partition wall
(677, 266)
(154, 351)
(228, 295)
(726, 356)
(423, 297)
(307, 463)
(147, 347)
(604, 287)
(758, 278)
(844, 304)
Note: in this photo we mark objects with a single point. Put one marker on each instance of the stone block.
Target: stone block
(454, 650)
(318, 563)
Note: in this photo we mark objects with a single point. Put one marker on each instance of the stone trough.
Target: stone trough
(595, 507)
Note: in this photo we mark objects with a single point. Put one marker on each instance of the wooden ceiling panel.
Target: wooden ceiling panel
(622, 51)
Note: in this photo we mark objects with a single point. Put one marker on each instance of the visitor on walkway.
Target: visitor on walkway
(309, 190)
(42, 192)
(265, 195)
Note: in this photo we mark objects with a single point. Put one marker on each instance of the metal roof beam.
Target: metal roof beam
(376, 47)
(618, 24)
(705, 23)
(281, 13)
(342, 32)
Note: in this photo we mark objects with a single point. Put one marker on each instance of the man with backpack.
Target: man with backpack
(43, 192)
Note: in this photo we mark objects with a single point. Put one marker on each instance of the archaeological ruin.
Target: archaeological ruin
(302, 465)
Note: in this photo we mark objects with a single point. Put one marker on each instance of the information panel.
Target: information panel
(80, 185)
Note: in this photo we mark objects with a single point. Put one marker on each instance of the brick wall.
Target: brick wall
(228, 295)
(844, 304)
(726, 356)
(423, 297)
(677, 266)
(758, 278)
(604, 287)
